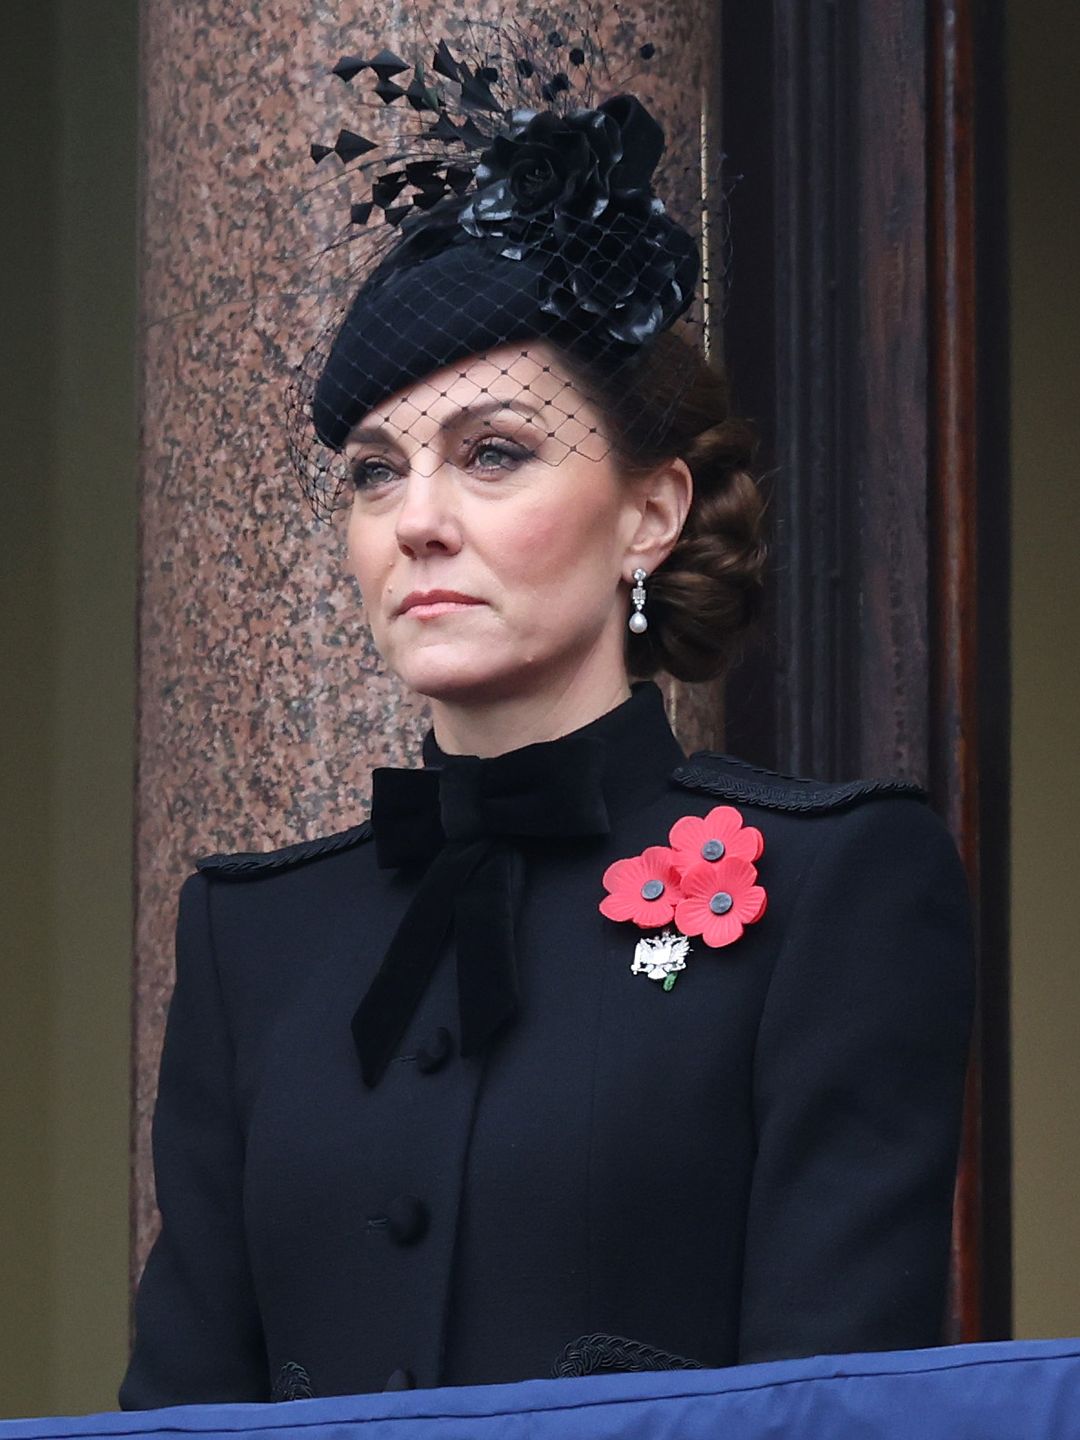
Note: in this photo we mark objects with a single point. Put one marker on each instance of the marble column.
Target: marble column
(262, 704)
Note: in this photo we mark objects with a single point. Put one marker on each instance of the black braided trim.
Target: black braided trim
(754, 785)
(241, 865)
(292, 1383)
(602, 1354)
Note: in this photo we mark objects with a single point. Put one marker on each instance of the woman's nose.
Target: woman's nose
(427, 519)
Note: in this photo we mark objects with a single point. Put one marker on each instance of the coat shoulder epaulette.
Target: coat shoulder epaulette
(733, 779)
(253, 863)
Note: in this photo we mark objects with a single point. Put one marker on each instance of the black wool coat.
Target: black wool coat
(757, 1163)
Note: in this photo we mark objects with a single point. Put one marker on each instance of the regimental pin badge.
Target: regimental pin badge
(661, 957)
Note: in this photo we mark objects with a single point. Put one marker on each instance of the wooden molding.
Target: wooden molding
(861, 290)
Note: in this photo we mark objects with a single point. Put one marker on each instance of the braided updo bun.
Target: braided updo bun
(707, 593)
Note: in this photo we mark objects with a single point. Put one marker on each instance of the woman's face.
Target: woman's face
(492, 557)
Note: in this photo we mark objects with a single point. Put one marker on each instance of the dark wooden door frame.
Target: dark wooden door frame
(866, 333)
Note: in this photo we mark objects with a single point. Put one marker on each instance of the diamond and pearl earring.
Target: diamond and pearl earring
(638, 622)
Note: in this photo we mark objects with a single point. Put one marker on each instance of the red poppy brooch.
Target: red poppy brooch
(703, 882)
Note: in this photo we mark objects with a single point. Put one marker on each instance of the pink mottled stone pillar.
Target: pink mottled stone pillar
(263, 706)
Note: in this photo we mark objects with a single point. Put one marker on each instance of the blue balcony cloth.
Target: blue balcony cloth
(1011, 1390)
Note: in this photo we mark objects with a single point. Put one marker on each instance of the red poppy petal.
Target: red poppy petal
(692, 914)
(647, 913)
(688, 833)
(623, 873)
(707, 877)
(659, 859)
(699, 879)
(654, 913)
(723, 822)
(620, 906)
(733, 873)
(722, 930)
(750, 904)
(746, 844)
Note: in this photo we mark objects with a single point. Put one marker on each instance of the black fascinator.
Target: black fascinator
(520, 215)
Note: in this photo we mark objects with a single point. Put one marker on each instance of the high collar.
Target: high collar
(640, 749)
(462, 817)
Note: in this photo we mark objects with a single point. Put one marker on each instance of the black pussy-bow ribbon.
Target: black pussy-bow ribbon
(461, 820)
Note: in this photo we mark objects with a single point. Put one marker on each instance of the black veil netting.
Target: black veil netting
(508, 256)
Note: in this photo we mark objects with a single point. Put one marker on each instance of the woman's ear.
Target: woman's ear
(664, 499)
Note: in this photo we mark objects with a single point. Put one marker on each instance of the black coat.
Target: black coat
(756, 1164)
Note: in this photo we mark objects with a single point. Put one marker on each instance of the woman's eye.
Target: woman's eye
(370, 471)
(489, 455)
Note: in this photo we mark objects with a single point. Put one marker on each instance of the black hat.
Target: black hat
(548, 228)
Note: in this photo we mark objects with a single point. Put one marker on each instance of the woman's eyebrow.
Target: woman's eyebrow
(368, 434)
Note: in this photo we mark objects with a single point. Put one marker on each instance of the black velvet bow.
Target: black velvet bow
(461, 820)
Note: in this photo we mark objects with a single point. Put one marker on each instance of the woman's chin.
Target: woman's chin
(462, 674)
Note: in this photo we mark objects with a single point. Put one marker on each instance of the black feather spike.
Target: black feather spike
(473, 136)
(349, 66)
(458, 177)
(445, 64)
(476, 94)
(388, 91)
(388, 187)
(423, 172)
(429, 195)
(444, 128)
(386, 63)
(349, 145)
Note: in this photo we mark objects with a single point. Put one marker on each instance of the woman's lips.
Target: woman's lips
(440, 607)
(429, 604)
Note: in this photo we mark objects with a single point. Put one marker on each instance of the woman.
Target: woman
(576, 1035)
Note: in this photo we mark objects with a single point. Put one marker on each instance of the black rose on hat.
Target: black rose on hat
(548, 165)
(545, 166)
(635, 275)
(577, 188)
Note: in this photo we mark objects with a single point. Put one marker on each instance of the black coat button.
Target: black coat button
(434, 1055)
(407, 1219)
(400, 1380)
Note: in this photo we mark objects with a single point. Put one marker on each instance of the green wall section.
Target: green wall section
(1044, 237)
(68, 514)
(27, 242)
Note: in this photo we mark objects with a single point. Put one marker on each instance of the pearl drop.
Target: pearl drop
(638, 623)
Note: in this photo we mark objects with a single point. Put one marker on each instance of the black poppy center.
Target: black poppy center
(721, 903)
(713, 849)
(652, 889)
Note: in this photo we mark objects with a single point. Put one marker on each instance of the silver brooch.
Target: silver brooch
(661, 957)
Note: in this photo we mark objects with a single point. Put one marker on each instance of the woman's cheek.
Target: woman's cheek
(556, 603)
(368, 562)
(546, 543)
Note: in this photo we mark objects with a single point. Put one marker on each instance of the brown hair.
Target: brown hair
(708, 591)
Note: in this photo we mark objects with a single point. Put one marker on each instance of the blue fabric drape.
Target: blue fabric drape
(1015, 1390)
